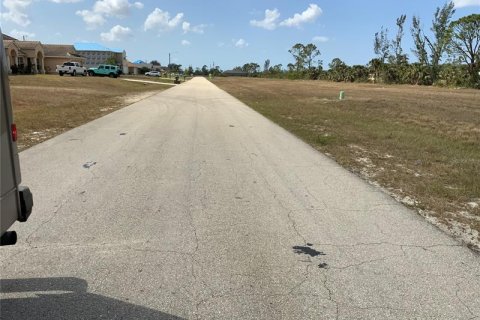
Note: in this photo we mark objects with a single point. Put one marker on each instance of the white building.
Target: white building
(96, 54)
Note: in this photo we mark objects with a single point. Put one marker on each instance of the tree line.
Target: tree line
(449, 55)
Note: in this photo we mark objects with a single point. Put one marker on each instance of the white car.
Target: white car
(153, 73)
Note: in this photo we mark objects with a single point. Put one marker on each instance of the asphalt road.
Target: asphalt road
(189, 205)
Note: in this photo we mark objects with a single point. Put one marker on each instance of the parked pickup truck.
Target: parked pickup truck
(16, 201)
(71, 68)
(105, 70)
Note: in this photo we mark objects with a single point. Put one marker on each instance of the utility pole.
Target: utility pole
(169, 61)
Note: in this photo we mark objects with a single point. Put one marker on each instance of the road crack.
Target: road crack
(55, 213)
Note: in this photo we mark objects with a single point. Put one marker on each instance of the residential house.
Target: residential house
(137, 65)
(34, 57)
(58, 54)
(11, 53)
(24, 56)
(7, 37)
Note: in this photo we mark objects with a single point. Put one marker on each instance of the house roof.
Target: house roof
(8, 43)
(12, 44)
(27, 45)
(7, 37)
(92, 46)
(59, 50)
(139, 61)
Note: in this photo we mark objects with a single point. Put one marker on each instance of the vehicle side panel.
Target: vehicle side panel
(10, 165)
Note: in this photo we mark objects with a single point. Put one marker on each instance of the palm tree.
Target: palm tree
(375, 66)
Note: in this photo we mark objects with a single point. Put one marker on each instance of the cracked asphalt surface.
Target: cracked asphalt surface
(190, 205)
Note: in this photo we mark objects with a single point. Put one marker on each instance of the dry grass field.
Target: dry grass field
(421, 144)
(47, 105)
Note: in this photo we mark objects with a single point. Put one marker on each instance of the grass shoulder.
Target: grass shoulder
(47, 105)
(421, 144)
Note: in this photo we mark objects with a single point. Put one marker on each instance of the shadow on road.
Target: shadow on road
(65, 298)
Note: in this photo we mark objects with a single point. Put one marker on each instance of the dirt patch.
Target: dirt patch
(132, 98)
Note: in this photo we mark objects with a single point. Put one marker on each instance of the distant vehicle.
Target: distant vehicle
(153, 73)
(71, 68)
(16, 202)
(105, 70)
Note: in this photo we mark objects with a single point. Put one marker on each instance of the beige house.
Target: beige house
(32, 57)
(11, 52)
(25, 56)
(58, 54)
(135, 67)
(132, 68)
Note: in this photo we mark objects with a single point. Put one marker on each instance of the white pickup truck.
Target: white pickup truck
(71, 68)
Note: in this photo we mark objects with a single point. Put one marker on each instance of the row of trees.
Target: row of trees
(455, 43)
(204, 71)
(408, 73)
(450, 55)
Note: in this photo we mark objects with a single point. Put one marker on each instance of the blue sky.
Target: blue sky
(227, 33)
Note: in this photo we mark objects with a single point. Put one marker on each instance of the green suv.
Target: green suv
(105, 70)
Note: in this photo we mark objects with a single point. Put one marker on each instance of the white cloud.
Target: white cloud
(103, 9)
(187, 27)
(241, 43)
(93, 20)
(117, 33)
(186, 43)
(17, 34)
(466, 3)
(118, 8)
(311, 14)
(16, 11)
(270, 20)
(65, 1)
(162, 21)
(320, 39)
